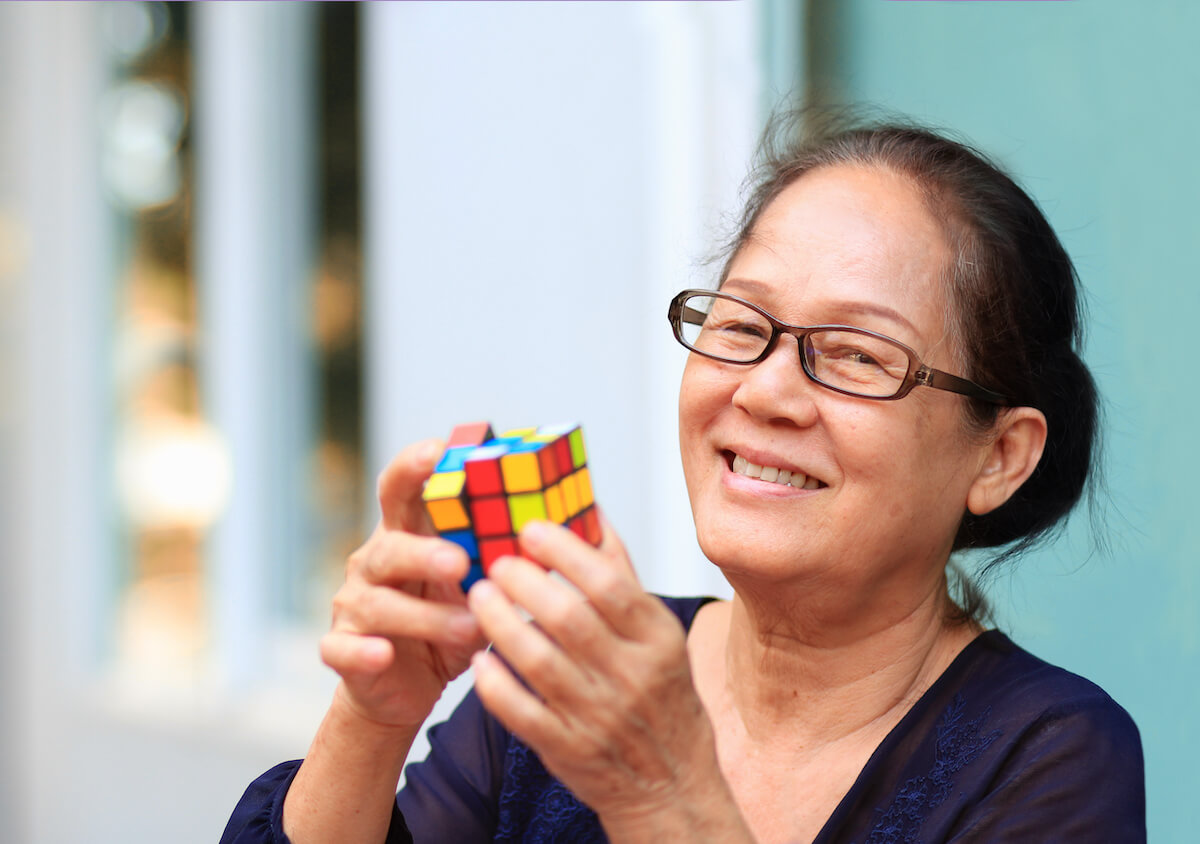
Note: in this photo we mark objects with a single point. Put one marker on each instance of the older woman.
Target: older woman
(887, 373)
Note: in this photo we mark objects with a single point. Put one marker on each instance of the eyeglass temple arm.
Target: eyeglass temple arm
(691, 315)
(930, 377)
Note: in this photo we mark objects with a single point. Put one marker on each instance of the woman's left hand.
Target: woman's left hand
(607, 701)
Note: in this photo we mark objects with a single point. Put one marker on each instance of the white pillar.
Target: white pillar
(254, 78)
(55, 314)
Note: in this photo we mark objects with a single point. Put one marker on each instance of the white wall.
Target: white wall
(541, 180)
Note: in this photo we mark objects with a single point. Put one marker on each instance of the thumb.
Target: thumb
(400, 484)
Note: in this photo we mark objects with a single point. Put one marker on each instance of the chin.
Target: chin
(739, 556)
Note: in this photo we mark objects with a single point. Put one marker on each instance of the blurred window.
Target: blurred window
(175, 469)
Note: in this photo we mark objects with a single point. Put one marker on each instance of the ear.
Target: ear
(1013, 453)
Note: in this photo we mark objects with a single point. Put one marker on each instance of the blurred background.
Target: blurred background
(248, 251)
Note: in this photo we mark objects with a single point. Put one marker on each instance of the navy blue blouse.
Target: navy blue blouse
(1003, 747)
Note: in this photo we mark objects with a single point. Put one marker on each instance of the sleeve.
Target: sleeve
(1076, 775)
(258, 816)
(454, 794)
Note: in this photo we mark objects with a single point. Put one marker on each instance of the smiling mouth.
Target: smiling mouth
(773, 474)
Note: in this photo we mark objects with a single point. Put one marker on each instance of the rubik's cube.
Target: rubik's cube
(486, 488)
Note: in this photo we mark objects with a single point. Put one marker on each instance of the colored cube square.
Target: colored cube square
(571, 497)
(583, 482)
(448, 514)
(493, 549)
(483, 470)
(465, 539)
(556, 505)
(575, 523)
(520, 471)
(471, 434)
(491, 517)
(525, 507)
(578, 452)
(445, 502)
(444, 485)
(591, 526)
(562, 455)
(485, 488)
(473, 574)
(549, 466)
(518, 434)
(453, 459)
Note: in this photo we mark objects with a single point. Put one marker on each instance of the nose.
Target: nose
(776, 389)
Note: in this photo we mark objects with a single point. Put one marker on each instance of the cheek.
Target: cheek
(889, 451)
(703, 391)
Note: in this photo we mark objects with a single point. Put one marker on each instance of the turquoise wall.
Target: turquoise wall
(1095, 108)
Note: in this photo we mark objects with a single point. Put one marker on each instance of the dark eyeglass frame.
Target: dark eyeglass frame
(918, 374)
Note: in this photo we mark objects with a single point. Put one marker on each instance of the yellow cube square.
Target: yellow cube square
(570, 488)
(521, 472)
(556, 504)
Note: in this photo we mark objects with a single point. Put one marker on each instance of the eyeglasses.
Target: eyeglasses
(849, 360)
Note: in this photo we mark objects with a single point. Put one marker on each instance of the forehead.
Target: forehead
(841, 239)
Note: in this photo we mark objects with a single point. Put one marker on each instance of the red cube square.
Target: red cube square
(493, 549)
(490, 516)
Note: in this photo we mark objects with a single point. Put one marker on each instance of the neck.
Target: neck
(801, 672)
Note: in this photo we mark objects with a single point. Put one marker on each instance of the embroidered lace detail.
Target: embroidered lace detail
(958, 743)
(535, 808)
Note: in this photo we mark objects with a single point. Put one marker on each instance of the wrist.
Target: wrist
(703, 811)
(346, 715)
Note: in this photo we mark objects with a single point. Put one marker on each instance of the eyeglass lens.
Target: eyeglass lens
(846, 360)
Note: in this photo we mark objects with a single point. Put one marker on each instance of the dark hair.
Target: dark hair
(1011, 283)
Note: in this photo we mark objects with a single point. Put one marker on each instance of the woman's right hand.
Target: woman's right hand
(401, 628)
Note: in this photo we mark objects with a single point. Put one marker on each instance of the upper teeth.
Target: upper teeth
(773, 474)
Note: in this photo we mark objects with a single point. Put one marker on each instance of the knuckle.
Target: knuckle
(566, 616)
(329, 650)
(359, 561)
(539, 665)
(343, 603)
(369, 610)
(618, 592)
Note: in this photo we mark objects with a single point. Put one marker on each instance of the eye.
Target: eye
(858, 363)
(851, 356)
(751, 329)
(858, 356)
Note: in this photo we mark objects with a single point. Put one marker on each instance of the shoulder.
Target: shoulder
(1060, 754)
(1026, 688)
(1003, 747)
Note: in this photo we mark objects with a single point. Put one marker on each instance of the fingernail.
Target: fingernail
(534, 533)
(481, 590)
(498, 566)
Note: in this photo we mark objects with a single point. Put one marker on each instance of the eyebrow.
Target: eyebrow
(847, 306)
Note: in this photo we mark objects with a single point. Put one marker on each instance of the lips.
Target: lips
(774, 474)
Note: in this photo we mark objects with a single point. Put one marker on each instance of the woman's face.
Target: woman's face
(887, 481)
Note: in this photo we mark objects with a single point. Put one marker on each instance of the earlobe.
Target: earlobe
(1010, 458)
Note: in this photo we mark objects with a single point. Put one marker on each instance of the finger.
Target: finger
(396, 557)
(540, 662)
(612, 546)
(512, 704)
(351, 655)
(604, 576)
(399, 486)
(559, 610)
(383, 611)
